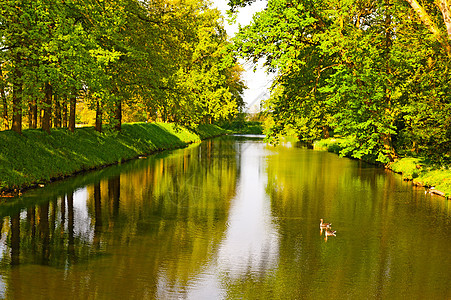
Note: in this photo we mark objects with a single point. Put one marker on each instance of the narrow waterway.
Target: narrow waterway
(231, 218)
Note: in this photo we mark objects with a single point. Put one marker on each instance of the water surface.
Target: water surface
(231, 218)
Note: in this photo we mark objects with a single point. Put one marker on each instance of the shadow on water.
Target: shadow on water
(89, 221)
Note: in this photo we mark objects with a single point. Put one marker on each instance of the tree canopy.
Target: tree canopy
(165, 60)
(377, 72)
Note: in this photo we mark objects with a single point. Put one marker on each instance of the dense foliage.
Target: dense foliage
(155, 60)
(376, 71)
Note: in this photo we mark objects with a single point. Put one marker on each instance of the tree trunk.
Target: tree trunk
(17, 101)
(164, 115)
(118, 115)
(35, 116)
(429, 23)
(57, 116)
(326, 132)
(4, 101)
(32, 114)
(388, 146)
(445, 8)
(47, 108)
(72, 106)
(40, 113)
(424, 17)
(386, 137)
(64, 123)
(98, 116)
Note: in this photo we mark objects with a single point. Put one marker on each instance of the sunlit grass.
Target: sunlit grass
(425, 174)
(38, 157)
(410, 167)
(440, 179)
(245, 127)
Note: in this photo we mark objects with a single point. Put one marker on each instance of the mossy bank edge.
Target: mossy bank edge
(36, 157)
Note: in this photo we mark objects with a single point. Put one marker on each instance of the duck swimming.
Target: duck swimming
(324, 225)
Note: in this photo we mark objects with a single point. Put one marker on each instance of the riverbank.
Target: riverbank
(245, 127)
(35, 157)
(435, 180)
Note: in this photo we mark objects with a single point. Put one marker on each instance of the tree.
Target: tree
(345, 66)
(15, 32)
(114, 54)
(428, 20)
(4, 100)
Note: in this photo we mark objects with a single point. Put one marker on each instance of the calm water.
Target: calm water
(231, 218)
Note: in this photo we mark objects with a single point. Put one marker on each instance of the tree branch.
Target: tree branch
(429, 23)
(445, 8)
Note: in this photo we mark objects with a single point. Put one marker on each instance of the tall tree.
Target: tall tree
(46, 120)
(113, 54)
(4, 100)
(16, 34)
(346, 65)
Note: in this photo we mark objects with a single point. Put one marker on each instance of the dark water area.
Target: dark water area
(230, 218)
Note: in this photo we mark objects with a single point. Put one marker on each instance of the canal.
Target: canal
(230, 218)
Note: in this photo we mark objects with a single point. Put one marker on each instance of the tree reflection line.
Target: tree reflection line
(46, 238)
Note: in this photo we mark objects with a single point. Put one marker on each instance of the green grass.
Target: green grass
(424, 174)
(440, 179)
(409, 167)
(37, 157)
(209, 131)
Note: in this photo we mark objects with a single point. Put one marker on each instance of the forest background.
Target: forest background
(122, 60)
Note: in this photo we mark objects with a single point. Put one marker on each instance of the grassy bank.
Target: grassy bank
(418, 170)
(437, 180)
(37, 157)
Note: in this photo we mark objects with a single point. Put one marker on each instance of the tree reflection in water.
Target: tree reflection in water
(227, 219)
(151, 215)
